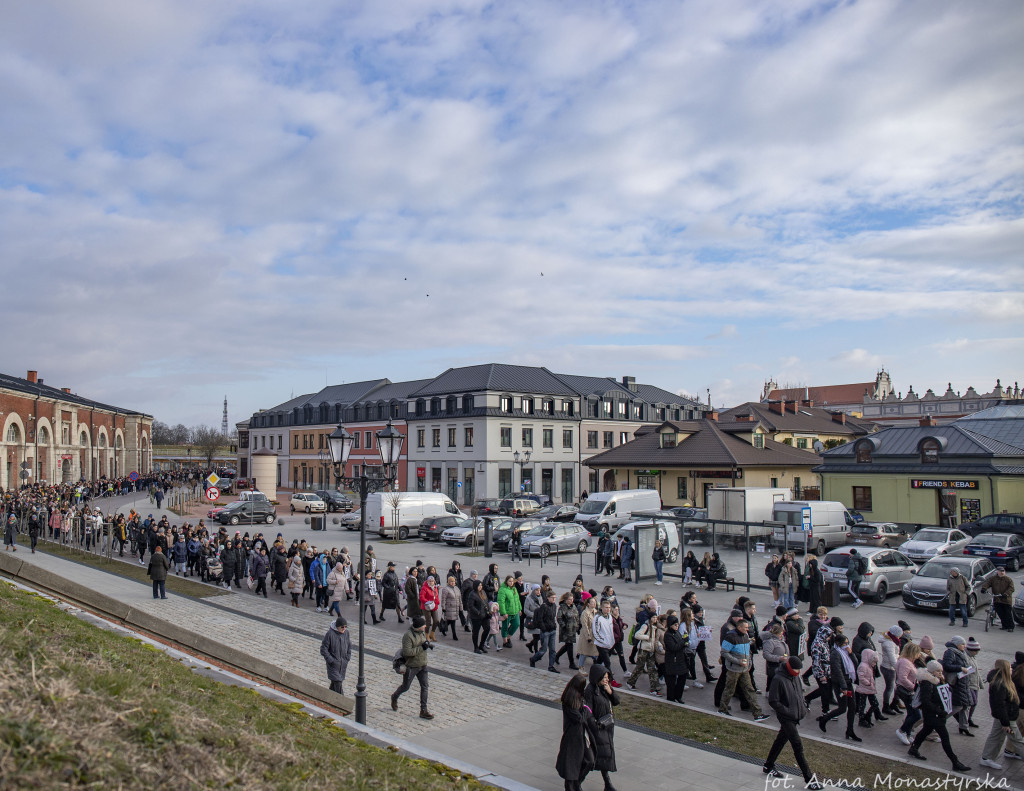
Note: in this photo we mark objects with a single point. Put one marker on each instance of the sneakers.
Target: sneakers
(857, 604)
(615, 684)
(761, 717)
(815, 785)
(631, 686)
(656, 692)
(696, 684)
(1012, 756)
(902, 737)
(772, 772)
(318, 609)
(657, 583)
(990, 764)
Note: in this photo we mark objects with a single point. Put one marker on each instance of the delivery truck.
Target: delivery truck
(743, 504)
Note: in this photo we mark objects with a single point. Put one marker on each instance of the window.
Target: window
(801, 442)
(527, 437)
(467, 405)
(646, 481)
(861, 498)
(527, 406)
(608, 439)
(451, 437)
(506, 403)
(930, 451)
(368, 444)
(638, 411)
(570, 410)
(264, 438)
(592, 408)
(435, 406)
(504, 481)
(548, 438)
(83, 438)
(280, 442)
(549, 406)
(296, 444)
(668, 439)
(420, 407)
(506, 436)
(623, 437)
(759, 440)
(65, 434)
(796, 486)
(622, 409)
(681, 488)
(450, 404)
(774, 483)
(468, 438)
(320, 441)
(591, 439)
(566, 437)
(435, 437)
(356, 436)
(863, 450)
(607, 411)
(420, 437)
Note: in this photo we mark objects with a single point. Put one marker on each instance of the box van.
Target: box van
(612, 509)
(667, 532)
(397, 514)
(830, 522)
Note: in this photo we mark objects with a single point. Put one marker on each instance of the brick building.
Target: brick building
(58, 436)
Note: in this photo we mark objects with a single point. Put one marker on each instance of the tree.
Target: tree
(393, 499)
(164, 434)
(206, 441)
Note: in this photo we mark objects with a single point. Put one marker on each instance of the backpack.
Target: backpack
(398, 662)
(632, 634)
(862, 565)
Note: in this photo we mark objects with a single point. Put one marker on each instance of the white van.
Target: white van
(667, 532)
(612, 509)
(252, 494)
(397, 514)
(829, 523)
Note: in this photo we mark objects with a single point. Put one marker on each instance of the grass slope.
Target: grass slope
(84, 708)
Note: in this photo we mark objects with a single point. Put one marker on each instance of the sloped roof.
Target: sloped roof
(596, 385)
(810, 420)
(20, 385)
(395, 390)
(345, 393)
(825, 394)
(707, 446)
(961, 440)
(495, 377)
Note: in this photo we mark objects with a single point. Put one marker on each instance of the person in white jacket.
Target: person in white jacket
(889, 647)
(604, 638)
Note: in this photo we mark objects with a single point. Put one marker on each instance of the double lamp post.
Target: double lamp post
(389, 445)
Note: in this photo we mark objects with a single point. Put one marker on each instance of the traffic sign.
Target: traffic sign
(212, 479)
(133, 476)
(805, 518)
(25, 475)
(212, 493)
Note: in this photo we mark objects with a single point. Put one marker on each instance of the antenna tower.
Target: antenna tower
(224, 420)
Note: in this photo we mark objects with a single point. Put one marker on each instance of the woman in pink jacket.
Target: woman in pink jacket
(867, 697)
(430, 602)
(911, 659)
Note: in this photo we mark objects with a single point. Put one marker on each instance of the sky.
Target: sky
(254, 199)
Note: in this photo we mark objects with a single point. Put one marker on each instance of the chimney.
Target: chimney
(748, 418)
(778, 407)
(712, 415)
(794, 407)
(40, 380)
(66, 390)
(808, 402)
(839, 417)
(629, 382)
(927, 421)
(31, 376)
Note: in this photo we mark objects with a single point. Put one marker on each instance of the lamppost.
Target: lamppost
(522, 459)
(389, 445)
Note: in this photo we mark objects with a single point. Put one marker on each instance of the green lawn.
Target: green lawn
(84, 708)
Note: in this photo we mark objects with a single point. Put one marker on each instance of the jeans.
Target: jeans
(787, 598)
(545, 642)
(604, 657)
(952, 612)
(517, 551)
(420, 674)
(658, 566)
(159, 591)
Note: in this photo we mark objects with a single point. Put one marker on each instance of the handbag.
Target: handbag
(251, 583)
(430, 606)
(607, 720)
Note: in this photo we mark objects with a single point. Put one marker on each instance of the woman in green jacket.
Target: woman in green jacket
(509, 608)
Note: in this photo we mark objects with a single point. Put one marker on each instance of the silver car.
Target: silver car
(888, 570)
(462, 533)
(551, 537)
(929, 542)
(927, 591)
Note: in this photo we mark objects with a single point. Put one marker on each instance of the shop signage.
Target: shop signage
(938, 483)
(421, 472)
(716, 473)
(648, 472)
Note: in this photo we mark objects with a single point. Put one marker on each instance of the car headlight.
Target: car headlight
(932, 551)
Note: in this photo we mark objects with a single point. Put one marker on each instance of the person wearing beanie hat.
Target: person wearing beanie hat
(854, 575)
(843, 675)
(414, 651)
(927, 646)
(889, 651)
(974, 680)
(956, 668)
(934, 694)
(336, 649)
(785, 696)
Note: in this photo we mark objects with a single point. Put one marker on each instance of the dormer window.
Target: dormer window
(759, 440)
(668, 439)
(864, 448)
(506, 404)
(527, 406)
(930, 448)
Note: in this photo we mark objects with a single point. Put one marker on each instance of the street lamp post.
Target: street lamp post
(522, 459)
(389, 444)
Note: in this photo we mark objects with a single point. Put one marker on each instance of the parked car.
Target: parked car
(350, 521)
(518, 506)
(462, 533)
(548, 537)
(889, 570)
(928, 542)
(253, 511)
(212, 513)
(557, 513)
(1003, 549)
(540, 499)
(308, 502)
(487, 507)
(927, 591)
(225, 485)
(877, 534)
(667, 532)
(1018, 605)
(995, 523)
(335, 500)
(433, 527)
(501, 536)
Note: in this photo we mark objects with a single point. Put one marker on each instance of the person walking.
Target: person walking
(957, 588)
(626, 553)
(296, 577)
(889, 651)
(1002, 597)
(414, 652)
(157, 571)
(772, 571)
(936, 706)
(956, 668)
(389, 592)
(603, 629)
(509, 608)
(1004, 701)
(585, 648)
(478, 608)
(843, 675)
(259, 571)
(545, 619)
(646, 637)
(336, 649)
(815, 582)
(601, 697)
(451, 606)
(854, 575)
(412, 594)
(568, 620)
(515, 544)
(787, 585)
(785, 696)
(575, 756)
(677, 662)
(369, 593)
(736, 660)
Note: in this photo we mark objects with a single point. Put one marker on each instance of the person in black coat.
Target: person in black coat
(601, 697)
(389, 589)
(935, 710)
(575, 756)
(279, 568)
(677, 665)
(229, 560)
(786, 697)
(815, 585)
(259, 571)
(478, 607)
(843, 678)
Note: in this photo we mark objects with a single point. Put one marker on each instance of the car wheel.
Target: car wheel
(309, 510)
(270, 519)
(403, 533)
(972, 606)
(881, 593)
(234, 520)
(1012, 564)
(885, 545)
(673, 556)
(469, 541)
(581, 547)
(545, 550)
(820, 549)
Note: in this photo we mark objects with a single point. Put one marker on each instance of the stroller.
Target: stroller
(214, 570)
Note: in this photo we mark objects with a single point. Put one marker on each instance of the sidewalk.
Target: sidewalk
(479, 702)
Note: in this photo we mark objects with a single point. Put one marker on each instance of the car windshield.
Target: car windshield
(468, 523)
(941, 570)
(592, 507)
(541, 530)
(932, 535)
(488, 503)
(547, 510)
(990, 540)
(862, 527)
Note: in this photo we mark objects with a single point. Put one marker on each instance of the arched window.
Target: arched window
(44, 435)
(103, 440)
(13, 434)
(119, 443)
(83, 439)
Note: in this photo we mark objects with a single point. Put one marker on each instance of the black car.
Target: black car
(1003, 549)
(995, 523)
(487, 507)
(556, 513)
(335, 500)
(501, 536)
(433, 526)
(251, 511)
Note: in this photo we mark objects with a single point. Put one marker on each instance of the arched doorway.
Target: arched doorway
(65, 471)
(608, 482)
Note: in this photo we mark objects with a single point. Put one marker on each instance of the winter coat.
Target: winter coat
(451, 602)
(866, 673)
(585, 642)
(412, 648)
(1002, 589)
(457, 573)
(508, 601)
(931, 699)
(229, 559)
(280, 567)
(863, 640)
(1003, 708)
(575, 758)
(259, 567)
(795, 640)
(532, 604)
(736, 651)
(478, 608)
(787, 580)
(626, 557)
(295, 579)
(389, 589)
(544, 617)
(568, 620)
(676, 644)
(954, 661)
(957, 588)
(890, 652)
(336, 649)
(178, 552)
(412, 597)
(337, 583)
(840, 677)
(775, 648)
(158, 567)
(601, 704)
(429, 594)
(786, 697)
(906, 674)
(771, 571)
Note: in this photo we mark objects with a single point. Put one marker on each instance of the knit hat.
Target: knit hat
(934, 666)
(957, 640)
(781, 610)
(535, 587)
(741, 602)
(340, 623)
(795, 665)
(671, 621)
(584, 596)
(736, 614)
(926, 643)
(973, 645)
(652, 604)
(836, 621)
(418, 621)
(904, 626)
(792, 611)
(895, 632)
